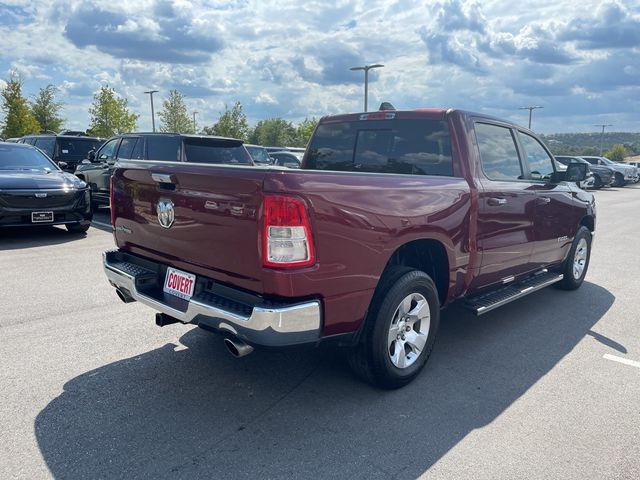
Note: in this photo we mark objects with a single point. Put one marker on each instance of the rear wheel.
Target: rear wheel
(400, 329)
(575, 266)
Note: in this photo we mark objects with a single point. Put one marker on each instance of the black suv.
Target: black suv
(67, 151)
(161, 147)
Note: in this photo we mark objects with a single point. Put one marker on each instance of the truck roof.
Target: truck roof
(418, 113)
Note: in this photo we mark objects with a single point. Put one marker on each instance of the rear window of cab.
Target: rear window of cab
(418, 147)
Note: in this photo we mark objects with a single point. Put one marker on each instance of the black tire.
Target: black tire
(597, 182)
(619, 180)
(78, 227)
(570, 280)
(371, 358)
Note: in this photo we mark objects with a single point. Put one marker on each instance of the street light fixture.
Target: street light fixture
(153, 117)
(366, 69)
(194, 121)
(603, 125)
(531, 108)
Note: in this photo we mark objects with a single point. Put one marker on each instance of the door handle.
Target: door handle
(161, 177)
(496, 202)
(543, 200)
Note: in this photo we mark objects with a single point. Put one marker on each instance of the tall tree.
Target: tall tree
(174, 117)
(273, 132)
(18, 119)
(46, 109)
(304, 131)
(110, 114)
(232, 123)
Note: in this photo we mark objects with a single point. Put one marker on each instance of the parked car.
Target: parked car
(285, 159)
(13, 140)
(259, 154)
(35, 191)
(388, 221)
(159, 147)
(68, 149)
(623, 173)
(602, 176)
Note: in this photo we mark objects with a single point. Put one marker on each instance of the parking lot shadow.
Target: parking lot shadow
(27, 237)
(195, 412)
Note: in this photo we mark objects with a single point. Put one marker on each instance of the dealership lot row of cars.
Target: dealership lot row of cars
(62, 197)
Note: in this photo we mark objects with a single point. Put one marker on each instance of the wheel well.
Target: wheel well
(588, 222)
(429, 256)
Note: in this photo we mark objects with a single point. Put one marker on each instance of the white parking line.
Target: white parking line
(101, 224)
(626, 361)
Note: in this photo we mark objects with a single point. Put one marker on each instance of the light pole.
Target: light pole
(603, 125)
(194, 121)
(366, 69)
(531, 109)
(153, 117)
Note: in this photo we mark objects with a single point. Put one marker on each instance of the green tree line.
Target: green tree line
(109, 114)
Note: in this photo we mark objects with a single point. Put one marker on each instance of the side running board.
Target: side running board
(488, 301)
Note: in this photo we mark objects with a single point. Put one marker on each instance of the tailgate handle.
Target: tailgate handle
(161, 177)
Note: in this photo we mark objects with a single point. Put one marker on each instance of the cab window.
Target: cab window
(540, 163)
(498, 152)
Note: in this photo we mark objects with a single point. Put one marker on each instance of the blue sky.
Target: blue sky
(578, 59)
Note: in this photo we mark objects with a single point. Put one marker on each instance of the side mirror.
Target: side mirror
(91, 156)
(576, 172)
(86, 162)
(63, 165)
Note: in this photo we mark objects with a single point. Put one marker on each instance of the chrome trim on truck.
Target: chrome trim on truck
(265, 325)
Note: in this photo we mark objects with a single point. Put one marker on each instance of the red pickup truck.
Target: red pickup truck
(394, 215)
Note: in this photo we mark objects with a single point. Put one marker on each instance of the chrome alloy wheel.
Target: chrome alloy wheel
(580, 258)
(409, 330)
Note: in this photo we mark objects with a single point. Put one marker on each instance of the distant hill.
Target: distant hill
(589, 143)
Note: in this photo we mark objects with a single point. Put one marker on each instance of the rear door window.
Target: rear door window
(207, 150)
(126, 147)
(498, 152)
(163, 148)
(420, 147)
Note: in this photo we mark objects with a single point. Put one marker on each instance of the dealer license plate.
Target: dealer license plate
(40, 217)
(179, 283)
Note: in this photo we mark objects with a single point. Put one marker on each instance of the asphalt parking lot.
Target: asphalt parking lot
(546, 387)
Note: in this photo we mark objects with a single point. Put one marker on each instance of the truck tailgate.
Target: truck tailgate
(216, 213)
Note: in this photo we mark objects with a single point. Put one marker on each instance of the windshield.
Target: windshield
(606, 161)
(579, 160)
(259, 154)
(21, 158)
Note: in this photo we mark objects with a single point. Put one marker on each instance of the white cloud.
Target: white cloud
(292, 59)
(265, 98)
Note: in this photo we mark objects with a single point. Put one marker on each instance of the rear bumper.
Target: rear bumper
(253, 319)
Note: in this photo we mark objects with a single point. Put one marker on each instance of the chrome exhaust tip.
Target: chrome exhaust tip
(124, 296)
(237, 348)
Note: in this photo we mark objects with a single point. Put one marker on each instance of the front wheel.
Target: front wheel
(597, 182)
(619, 180)
(400, 329)
(78, 227)
(575, 266)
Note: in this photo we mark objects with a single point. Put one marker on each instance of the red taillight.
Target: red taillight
(287, 240)
(112, 206)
